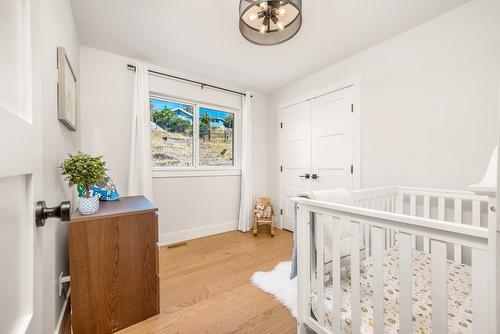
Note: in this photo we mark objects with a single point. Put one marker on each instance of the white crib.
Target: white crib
(445, 233)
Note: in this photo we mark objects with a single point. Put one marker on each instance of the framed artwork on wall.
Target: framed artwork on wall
(67, 91)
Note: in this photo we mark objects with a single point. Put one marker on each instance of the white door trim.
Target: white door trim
(355, 83)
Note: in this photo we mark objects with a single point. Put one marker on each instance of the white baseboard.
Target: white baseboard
(199, 232)
(63, 311)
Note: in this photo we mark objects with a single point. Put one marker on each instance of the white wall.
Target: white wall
(57, 29)
(189, 206)
(428, 100)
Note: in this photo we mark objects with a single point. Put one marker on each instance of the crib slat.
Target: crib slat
(378, 279)
(393, 209)
(441, 208)
(494, 268)
(476, 213)
(320, 269)
(391, 238)
(387, 203)
(405, 284)
(427, 214)
(439, 287)
(303, 266)
(413, 212)
(399, 203)
(368, 249)
(386, 208)
(337, 320)
(457, 255)
(399, 200)
(387, 238)
(480, 291)
(355, 279)
(413, 205)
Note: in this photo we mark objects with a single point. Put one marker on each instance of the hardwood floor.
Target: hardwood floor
(205, 286)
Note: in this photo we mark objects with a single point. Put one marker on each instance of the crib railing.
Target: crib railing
(383, 217)
(381, 199)
(460, 207)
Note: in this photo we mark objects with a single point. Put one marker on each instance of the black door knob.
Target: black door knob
(42, 212)
(315, 176)
(307, 176)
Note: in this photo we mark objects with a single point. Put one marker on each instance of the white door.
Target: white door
(20, 164)
(318, 149)
(332, 140)
(295, 157)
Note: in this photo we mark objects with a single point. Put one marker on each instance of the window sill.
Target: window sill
(179, 173)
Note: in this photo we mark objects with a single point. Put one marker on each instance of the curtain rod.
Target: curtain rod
(202, 84)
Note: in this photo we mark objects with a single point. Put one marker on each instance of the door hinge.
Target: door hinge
(352, 107)
(281, 212)
(281, 168)
(281, 125)
(352, 169)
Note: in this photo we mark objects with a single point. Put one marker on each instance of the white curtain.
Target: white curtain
(246, 200)
(140, 179)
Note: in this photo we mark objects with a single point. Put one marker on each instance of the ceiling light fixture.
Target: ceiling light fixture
(270, 22)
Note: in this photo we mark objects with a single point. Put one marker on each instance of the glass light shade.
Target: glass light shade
(253, 13)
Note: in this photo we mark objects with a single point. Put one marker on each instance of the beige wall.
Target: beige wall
(57, 28)
(189, 206)
(428, 100)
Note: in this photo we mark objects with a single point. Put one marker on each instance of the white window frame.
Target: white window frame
(196, 169)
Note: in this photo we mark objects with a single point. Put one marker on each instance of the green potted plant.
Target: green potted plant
(84, 170)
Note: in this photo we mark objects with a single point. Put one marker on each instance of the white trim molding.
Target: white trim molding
(199, 232)
(179, 173)
(63, 311)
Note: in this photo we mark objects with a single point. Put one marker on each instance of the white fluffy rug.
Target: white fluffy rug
(277, 283)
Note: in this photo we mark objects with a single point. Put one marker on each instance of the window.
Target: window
(216, 137)
(171, 133)
(191, 136)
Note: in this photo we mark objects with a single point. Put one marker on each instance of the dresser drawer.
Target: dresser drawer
(114, 271)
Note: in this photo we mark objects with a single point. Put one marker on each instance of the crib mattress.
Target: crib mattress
(459, 296)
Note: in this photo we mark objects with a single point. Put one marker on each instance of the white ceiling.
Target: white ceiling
(202, 37)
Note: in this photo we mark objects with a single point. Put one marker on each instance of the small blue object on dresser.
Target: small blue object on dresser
(106, 190)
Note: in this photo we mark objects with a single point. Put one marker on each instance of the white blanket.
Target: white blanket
(339, 196)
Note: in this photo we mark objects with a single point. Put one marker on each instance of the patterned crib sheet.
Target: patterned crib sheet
(459, 296)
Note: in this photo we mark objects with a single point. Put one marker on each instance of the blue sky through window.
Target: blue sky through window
(215, 115)
(160, 104)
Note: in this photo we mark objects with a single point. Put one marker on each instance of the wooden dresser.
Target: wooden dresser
(113, 257)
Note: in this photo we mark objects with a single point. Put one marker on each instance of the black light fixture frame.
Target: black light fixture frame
(245, 29)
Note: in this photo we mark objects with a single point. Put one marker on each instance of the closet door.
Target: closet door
(332, 140)
(295, 157)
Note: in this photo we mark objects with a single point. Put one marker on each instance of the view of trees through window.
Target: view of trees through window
(172, 135)
(216, 137)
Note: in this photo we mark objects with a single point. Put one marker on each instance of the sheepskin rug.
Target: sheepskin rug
(277, 282)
